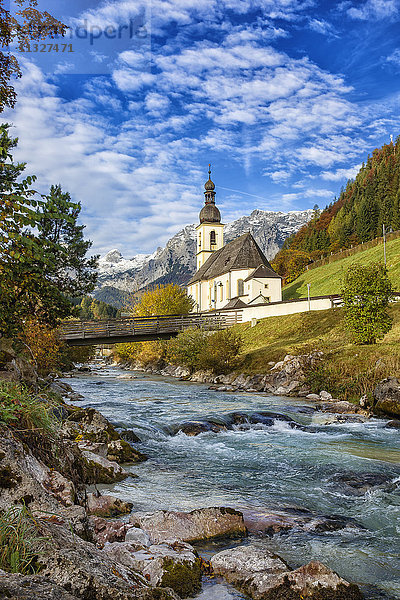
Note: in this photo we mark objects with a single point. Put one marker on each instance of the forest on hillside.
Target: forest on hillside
(367, 203)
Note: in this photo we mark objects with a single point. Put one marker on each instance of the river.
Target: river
(261, 466)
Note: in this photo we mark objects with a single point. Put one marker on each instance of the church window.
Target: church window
(213, 239)
(221, 292)
(240, 287)
(199, 240)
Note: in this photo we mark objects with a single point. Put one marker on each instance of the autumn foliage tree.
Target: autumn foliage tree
(27, 23)
(168, 299)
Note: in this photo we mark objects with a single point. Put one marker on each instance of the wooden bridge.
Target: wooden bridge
(141, 329)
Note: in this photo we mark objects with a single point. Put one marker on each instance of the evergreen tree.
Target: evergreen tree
(41, 250)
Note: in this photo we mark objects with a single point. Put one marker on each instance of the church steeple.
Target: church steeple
(210, 232)
(209, 187)
(209, 213)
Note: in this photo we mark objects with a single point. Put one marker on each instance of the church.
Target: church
(232, 276)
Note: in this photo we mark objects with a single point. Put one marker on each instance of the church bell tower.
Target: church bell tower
(210, 231)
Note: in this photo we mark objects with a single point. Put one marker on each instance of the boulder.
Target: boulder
(31, 587)
(174, 565)
(138, 536)
(26, 479)
(265, 576)
(248, 568)
(340, 407)
(101, 470)
(394, 424)
(107, 506)
(86, 571)
(357, 484)
(199, 524)
(325, 396)
(96, 434)
(387, 397)
(107, 530)
(270, 522)
(192, 428)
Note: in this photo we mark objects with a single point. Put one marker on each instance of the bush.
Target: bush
(19, 541)
(72, 355)
(20, 408)
(126, 352)
(44, 344)
(366, 294)
(185, 350)
(198, 349)
(220, 354)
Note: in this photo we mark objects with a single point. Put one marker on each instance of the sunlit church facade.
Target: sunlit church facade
(234, 275)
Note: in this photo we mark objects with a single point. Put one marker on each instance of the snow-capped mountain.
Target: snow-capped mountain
(177, 261)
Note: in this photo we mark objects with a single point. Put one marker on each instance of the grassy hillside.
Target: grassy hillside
(348, 371)
(327, 278)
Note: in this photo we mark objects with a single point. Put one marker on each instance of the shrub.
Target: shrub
(185, 350)
(20, 541)
(366, 293)
(20, 408)
(72, 355)
(220, 354)
(44, 344)
(127, 352)
(150, 353)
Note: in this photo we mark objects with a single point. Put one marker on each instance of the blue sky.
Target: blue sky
(285, 98)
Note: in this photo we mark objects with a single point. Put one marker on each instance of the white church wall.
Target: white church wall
(268, 287)
(284, 308)
(204, 247)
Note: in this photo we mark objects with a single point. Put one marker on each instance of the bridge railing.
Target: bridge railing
(139, 326)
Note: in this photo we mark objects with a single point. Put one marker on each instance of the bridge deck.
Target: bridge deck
(139, 329)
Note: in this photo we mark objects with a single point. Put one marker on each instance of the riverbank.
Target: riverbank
(79, 550)
(304, 354)
(324, 466)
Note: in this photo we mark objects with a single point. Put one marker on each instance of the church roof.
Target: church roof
(235, 303)
(262, 272)
(241, 253)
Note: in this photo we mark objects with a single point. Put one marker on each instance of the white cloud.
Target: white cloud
(373, 9)
(339, 174)
(394, 57)
(321, 26)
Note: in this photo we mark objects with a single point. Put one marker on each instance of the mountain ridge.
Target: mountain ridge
(176, 262)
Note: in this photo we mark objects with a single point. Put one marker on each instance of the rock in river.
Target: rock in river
(174, 565)
(387, 397)
(265, 576)
(106, 506)
(200, 524)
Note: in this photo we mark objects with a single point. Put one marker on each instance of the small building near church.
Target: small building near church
(234, 275)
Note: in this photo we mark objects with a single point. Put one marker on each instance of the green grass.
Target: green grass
(327, 279)
(20, 541)
(21, 409)
(347, 371)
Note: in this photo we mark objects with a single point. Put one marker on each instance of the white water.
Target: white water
(272, 467)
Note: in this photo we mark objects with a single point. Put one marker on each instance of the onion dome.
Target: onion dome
(210, 214)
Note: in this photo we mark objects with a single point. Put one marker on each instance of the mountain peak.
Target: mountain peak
(113, 256)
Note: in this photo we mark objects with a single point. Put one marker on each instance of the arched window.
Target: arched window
(240, 287)
(221, 292)
(213, 239)
(200, 239)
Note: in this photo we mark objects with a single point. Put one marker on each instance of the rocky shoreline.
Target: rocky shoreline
(288, 378)
(94, 546)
